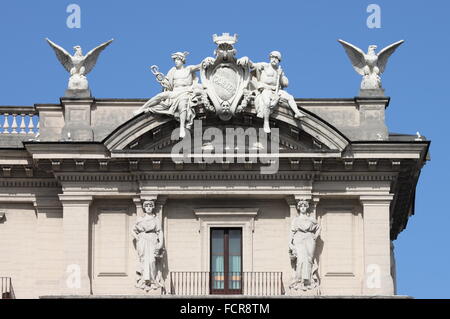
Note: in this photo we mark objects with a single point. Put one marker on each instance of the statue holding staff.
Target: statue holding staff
(181, 92)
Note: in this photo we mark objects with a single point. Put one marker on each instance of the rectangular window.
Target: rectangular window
(226, 261)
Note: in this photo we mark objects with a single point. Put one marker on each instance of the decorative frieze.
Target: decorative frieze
(179, 165)
(28, 171)
(210, 175)
(6, 171)
(156, 165)
(317, 165)
(103, 165)
(134, 165)
(372, 165)
(295, 164)
(56, 165)
(225, 165)
(33, 183)
(348, 164)
(396, 164)
(79, 165)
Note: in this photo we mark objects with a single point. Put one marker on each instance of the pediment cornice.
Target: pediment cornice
(153, 132)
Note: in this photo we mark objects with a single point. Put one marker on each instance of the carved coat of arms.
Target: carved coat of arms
(228, 85)
(224, 79)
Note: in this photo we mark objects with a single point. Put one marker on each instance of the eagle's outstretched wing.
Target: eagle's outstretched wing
(91, 58)
(384, 54)
(63, 56)
(356, 56)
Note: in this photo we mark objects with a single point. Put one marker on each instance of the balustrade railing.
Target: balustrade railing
(19, 120)
(200, 283)
(7, 291)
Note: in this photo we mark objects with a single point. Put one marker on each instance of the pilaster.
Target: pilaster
(76, 279)
(47, 249)
(77, 117)
(377, 245)
(372, 118)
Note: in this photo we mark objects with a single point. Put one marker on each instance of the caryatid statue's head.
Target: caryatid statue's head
(275, 58)
(303, 206)
(149, 206)
(179, 58)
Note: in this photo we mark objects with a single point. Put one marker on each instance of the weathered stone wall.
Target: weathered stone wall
(340, 247)
(357, 119)
(32, 250)
(113, 254)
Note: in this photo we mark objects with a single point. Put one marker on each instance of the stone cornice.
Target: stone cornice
(312, 125)
(74, 101)
(29, 182)
(390, 149)
(17, 109)
(221, 211)
(306, 154)
(48, 107)
(361, 100)
(15, 157)
(217, 175)
(376, 200)
(66, 150)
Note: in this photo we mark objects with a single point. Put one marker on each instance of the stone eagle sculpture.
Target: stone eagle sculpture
(78, 65)
(370, 65)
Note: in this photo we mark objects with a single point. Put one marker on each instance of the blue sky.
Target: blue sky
(146, 32)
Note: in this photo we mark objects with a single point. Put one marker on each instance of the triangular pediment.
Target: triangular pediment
(216, 136)
(157, 134)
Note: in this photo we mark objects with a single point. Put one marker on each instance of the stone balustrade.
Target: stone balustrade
(19, 120)
(6, 288)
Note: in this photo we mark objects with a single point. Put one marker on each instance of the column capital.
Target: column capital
(376, 199)
(75, 200)
(158, 199)
(46, 202)
(293, 199)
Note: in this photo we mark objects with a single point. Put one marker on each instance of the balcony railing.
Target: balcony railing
(19, 120)
(6, 288)
(200, 283)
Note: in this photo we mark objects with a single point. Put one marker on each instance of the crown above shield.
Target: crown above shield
(225, 38)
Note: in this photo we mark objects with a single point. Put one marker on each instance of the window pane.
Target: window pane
(217, 259)
(217, 237)
(235, 241)
(234, 261)
(217, 273)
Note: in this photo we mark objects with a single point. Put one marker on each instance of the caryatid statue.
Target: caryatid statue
(302, 246)
(269, 83)
(181, 92)
(149, 244)
(78, 65)
(370, 65)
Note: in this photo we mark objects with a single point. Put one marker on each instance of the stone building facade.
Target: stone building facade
(74, 176)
